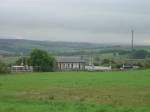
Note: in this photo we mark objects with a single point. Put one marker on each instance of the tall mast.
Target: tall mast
(132, 41)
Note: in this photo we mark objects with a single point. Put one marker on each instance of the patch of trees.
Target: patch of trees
(140, 54)
(40, 60)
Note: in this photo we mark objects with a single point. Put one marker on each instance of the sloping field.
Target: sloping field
(76, 92)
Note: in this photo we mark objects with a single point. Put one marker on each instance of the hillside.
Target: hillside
(17, 46)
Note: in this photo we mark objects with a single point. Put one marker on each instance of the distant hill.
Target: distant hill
(17, 46)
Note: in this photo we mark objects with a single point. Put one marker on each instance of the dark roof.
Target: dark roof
(70, 59)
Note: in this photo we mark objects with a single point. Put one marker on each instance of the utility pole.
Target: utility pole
(91, 58)
(21, 59)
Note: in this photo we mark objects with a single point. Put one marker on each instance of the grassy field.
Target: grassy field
(76, 92)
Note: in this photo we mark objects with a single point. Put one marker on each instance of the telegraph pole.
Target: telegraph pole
(21, 59)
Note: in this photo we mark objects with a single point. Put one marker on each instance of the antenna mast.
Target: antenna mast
(132, 41)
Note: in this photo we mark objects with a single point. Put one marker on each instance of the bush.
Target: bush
(4, 68)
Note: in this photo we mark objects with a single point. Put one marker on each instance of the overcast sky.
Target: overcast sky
(100, 21)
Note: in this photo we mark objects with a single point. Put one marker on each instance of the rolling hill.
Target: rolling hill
(17, 46)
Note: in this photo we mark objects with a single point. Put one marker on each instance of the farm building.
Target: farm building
(21, 68)
(70, 63)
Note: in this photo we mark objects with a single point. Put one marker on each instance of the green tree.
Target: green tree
(41, 60)
(140, 54)
(97, 61)
(24, 60)
(108, 62)
(4, 68)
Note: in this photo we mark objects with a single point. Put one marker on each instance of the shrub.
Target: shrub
(4, 68)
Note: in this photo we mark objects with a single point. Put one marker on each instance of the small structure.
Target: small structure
(127, 67)
(70, 63)
(21, 68)
(98, 68)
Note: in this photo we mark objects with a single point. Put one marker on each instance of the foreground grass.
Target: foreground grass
(76, 92)
(40, 106)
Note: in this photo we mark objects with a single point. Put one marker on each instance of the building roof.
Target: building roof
(69, 59)
(17, 66)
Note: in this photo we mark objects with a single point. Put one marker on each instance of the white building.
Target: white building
(70, 63)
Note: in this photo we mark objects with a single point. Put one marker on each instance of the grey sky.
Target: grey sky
(76, 20)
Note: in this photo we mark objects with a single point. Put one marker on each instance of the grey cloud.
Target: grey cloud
(76, 20)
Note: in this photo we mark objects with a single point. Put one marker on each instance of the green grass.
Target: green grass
(76, 92)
